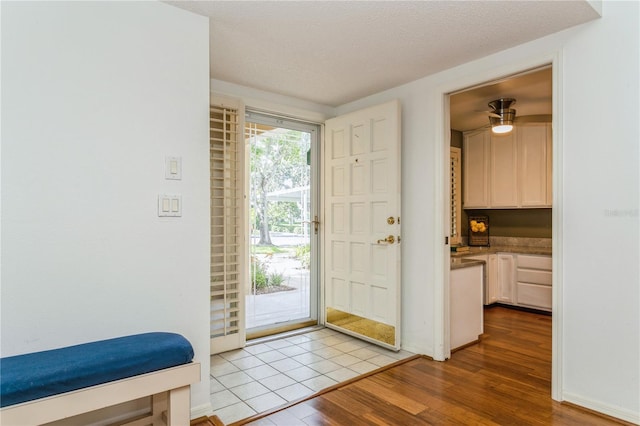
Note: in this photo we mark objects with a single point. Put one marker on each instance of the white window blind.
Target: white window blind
(226, 168)
(456, 210)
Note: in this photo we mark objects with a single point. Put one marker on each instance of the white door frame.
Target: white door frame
(441, 349)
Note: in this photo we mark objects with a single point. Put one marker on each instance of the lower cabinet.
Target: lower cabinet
(533, 285)
(517, 279)
(466, 313)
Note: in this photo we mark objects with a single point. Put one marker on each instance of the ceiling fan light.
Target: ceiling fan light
(503, 123)
(502, 128)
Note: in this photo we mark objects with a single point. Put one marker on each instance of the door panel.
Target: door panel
(362, 232)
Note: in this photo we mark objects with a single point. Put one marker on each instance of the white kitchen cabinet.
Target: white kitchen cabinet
(466, 314)
(503, 167)
(534, 281)
(506, 278)
(534, 153)
(492, 288)
(517, 279)
(475, 157)
(508, 171)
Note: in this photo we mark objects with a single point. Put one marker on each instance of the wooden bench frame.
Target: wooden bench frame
(169, 388)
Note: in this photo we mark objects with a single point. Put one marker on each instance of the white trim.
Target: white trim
(441, 263)
(609, 410)
(441, 344)
(226, 101)
(202, 410)
(322, 317)
(557, 239)
(274, 103)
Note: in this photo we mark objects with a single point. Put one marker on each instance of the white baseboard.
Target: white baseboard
(201, 410)
(609, 410)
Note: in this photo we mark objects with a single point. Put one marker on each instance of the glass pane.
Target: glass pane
(280, 215)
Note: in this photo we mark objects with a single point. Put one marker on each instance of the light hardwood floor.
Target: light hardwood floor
(502, 380)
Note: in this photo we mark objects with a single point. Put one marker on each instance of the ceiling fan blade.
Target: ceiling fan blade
(539, 118)
(488, 113)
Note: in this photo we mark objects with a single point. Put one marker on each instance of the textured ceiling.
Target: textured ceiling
(334, 52)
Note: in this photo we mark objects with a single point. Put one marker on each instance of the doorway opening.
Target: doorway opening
(282, 291)
(506, 180)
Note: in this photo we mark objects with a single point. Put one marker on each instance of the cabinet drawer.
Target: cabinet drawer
(534, 276)
(534, 262)
(534, 295)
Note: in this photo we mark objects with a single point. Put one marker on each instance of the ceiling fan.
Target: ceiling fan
(502, 115)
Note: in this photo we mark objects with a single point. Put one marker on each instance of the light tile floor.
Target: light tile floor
(266, 375)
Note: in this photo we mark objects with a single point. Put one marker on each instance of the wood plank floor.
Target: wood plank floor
(502, 380)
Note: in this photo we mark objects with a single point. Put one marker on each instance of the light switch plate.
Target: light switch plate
(173, 168)
(169, 205)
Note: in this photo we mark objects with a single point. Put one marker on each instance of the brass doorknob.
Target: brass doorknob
(390, 239)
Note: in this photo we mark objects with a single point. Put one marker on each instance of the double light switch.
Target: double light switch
(169, 205)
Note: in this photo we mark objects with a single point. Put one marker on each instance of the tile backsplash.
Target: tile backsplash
(520, 241)
(516, 242)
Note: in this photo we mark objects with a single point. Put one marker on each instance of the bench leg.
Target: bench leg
(159, 404)
(179, 410)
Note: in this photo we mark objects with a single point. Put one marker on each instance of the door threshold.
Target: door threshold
(262, 336)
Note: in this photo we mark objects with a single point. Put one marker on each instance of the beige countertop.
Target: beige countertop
(504, 249)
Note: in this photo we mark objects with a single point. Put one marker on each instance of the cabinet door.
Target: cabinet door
(504, 171)
(535, 296)
(492, 286)
(506, 278)
(533, 154)
(476, 170)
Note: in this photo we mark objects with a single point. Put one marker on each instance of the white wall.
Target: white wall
(599, 188)
(94, 96)
(602, 187)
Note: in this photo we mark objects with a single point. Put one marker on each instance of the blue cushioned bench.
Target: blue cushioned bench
(45, 386)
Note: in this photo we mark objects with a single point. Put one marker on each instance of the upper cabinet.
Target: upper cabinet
(503, 168)
(475, 175)
(534, 153)
(508, 171)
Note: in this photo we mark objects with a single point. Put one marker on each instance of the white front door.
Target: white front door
(362, 224)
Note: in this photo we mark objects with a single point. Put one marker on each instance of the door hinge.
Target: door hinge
(446, 241)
